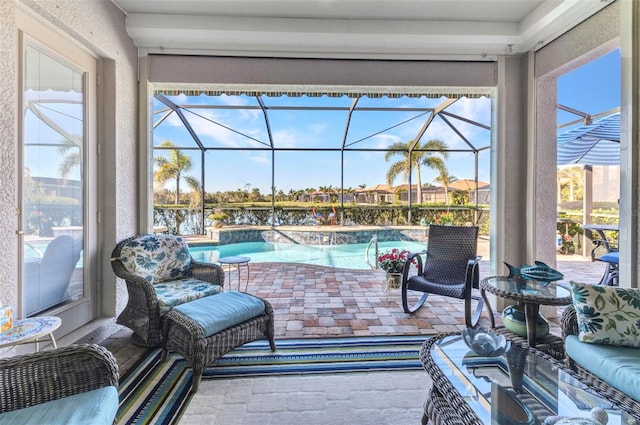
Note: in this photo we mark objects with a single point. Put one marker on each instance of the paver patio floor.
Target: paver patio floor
(315, 301)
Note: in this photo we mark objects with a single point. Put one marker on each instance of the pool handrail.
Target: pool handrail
(373, 240)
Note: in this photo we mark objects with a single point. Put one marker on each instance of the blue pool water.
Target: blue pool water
(348, 256)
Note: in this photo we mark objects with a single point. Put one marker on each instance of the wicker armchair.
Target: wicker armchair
(160, 274)
(32, 379)
(450, 270)
(569, 323)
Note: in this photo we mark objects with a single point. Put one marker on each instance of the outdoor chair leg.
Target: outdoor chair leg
(416, 306)
(610, 277)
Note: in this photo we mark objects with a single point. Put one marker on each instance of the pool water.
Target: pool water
(348, 256)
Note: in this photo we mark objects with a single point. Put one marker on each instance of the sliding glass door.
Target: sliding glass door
(57, 183)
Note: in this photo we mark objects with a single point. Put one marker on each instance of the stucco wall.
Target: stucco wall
(583, 43)
(8, 134)
(99, 26)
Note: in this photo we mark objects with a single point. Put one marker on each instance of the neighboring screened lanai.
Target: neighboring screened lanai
(286, 134)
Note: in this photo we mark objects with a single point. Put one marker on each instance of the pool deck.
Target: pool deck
(315, 301)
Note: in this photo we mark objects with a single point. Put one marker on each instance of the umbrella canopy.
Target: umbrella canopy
(594, 144)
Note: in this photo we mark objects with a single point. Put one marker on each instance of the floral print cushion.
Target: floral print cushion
(156, 257)
(607, 314)
(176, 292)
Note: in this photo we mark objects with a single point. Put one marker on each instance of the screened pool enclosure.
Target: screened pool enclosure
(249, 150)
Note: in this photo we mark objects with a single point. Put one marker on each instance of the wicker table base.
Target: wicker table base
(551, 344)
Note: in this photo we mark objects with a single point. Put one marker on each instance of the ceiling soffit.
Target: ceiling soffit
(403, 29)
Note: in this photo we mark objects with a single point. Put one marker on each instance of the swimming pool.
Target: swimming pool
(348, 256)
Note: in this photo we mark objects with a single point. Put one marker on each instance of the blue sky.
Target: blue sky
(592, 88)
(230, 170)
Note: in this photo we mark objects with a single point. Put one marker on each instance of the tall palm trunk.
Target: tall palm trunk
(446, 192)
(177, 201)
(418, 181)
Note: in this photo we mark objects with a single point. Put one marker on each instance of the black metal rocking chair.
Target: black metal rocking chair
(450, 269)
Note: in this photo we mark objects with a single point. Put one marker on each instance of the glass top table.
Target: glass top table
(522, 386)
(531, 293)
(31, 330)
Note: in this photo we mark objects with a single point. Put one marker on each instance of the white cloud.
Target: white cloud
(260, 158)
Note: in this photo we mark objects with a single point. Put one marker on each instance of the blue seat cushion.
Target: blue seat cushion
(612, 257)
(615, 365)
(95, 407)
(219, 312)
(180, 291)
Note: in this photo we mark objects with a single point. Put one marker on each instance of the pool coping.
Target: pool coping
(309, 235)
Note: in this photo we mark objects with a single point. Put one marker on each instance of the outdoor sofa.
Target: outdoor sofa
(70, 385)
(601, 341)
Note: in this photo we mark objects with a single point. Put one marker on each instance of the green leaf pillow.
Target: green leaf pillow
(607, 314)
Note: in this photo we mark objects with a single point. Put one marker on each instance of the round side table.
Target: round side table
(531, 293)
(29, 330)
(237, 262)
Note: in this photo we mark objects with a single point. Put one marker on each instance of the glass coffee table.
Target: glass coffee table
(522, 386)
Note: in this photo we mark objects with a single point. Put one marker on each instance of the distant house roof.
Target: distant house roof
(466, 184)
(377, 188)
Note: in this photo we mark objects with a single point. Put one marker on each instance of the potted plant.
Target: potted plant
(568, 247)
(217, 219)
(446, 218)
(392, 263)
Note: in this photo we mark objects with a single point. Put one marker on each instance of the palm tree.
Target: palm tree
(444, 178)
(172, 167)
(71, 152)
(421, 155)
(571, 176)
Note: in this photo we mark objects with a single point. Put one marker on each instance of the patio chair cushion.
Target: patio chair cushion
(98, 406)
(180, 291)
(156, 257)
(223, 311)
(607, 314)
(612, 257)
(617, 366)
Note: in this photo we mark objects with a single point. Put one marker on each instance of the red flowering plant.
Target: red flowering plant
(393, 261)
(445, 218)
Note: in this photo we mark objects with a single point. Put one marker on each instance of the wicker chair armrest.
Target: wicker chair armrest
(569, 322)
(139, 287)
(32, 379)
(207, 272)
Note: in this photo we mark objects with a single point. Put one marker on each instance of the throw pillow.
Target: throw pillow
(607, 314)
